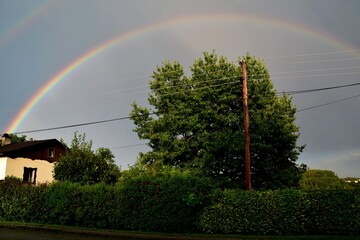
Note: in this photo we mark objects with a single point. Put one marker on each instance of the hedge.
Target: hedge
(284, 212)
(182, 204)
(21, 202)
(166, 203)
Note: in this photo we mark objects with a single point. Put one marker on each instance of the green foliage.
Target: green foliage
(167, 202)
(17, 139)
(199, 123)
(92, 206)
(20, 202)
(334, 212)
(284, 212)
(176, 201)
(139, 170)
(314, 179)
(81, 165)
(60, 201)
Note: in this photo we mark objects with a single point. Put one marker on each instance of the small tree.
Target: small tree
(82, 165)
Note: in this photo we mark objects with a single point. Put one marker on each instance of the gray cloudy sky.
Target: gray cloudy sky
(305, 44)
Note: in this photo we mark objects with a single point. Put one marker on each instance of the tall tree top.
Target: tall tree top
(198, 122)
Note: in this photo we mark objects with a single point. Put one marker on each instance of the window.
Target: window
(51, 152)
(29, 175)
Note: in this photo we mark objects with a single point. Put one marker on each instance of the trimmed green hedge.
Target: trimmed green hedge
(163, 203)
(182, 204)
(284, 212)
(20, 202)
(170, 204)
(93, 206)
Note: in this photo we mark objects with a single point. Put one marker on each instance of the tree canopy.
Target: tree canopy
(82, 165)
(17, 139)
(196, 122)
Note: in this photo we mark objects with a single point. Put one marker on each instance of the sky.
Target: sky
(68, 62)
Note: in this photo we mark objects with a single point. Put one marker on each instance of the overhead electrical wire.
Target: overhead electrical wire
(283, 92)
(152, 113)
(293, 92)
(142, 144)
(233, 77)
(278, 93)
(73, 125)
(328, 103)
(286, 92)
(235, 61)
(322, 60)
(320, 89)
(301, 110)
(314, 54)
(257, 75)
(274, 73)
(127, 146)
(317, 70)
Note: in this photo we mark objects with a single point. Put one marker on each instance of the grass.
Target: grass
(64, 232)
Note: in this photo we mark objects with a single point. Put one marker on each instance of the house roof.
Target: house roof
(13, 147)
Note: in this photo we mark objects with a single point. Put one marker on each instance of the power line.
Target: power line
(286, 92)
(123, 118)
(233, 77)
(276, 57)
(201, 88)
(311, 70)
(76, 125)
(328, 103)
(316, 70)
(257, 75)
(128, 146)
(313, 54)
(317, 75)
(233, 82)
(326, 60)
(301, 110)
(320, 89)
(285, 56)
(73, 125)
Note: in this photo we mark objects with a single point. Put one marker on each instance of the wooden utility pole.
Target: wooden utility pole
(246, 128)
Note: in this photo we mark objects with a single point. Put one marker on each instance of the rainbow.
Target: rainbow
(24, 22)
(216, 18)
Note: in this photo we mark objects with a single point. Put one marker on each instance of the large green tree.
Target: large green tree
(197, 122)
(82, 165)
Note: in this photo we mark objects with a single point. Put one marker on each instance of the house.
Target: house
(32, 161)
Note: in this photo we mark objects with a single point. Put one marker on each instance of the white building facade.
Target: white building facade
(30, 171)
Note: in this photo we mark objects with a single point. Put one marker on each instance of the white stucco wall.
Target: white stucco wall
(15, 167)
(3, 161)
